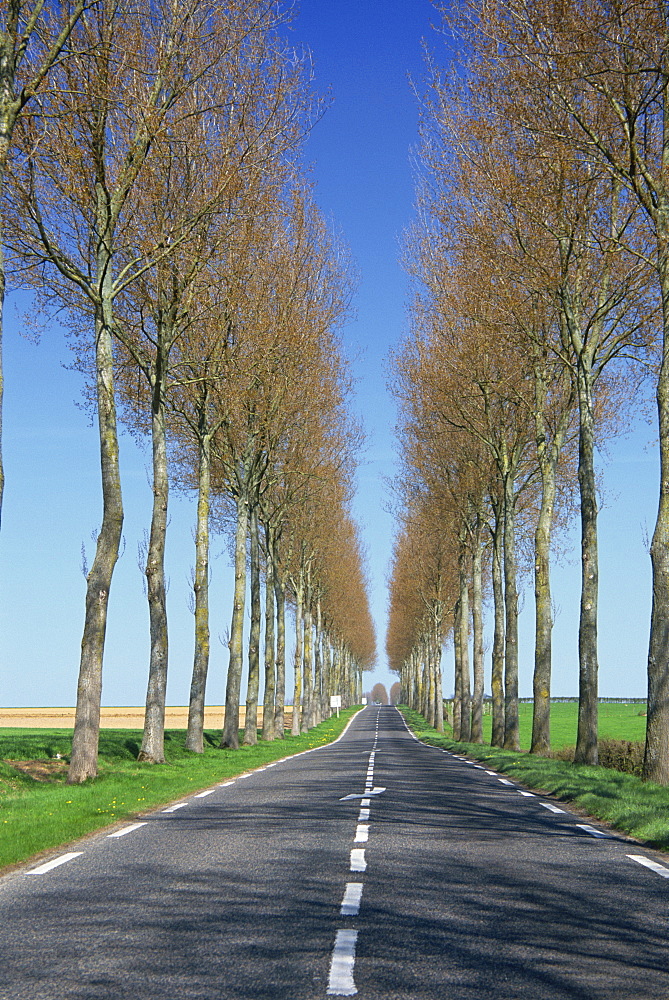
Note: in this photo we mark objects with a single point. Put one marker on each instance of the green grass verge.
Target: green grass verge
(637, 808)
(38, 815)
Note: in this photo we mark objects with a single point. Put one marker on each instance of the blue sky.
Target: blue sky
(363, 52)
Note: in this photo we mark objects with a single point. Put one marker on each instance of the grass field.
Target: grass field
(39, 811)
(616, 722)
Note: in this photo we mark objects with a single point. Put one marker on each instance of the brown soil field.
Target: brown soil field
(118, 718)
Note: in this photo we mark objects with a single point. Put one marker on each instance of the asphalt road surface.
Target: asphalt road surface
(375, 867)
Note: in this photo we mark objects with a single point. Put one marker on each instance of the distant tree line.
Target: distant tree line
(540, 262)
(154, 196)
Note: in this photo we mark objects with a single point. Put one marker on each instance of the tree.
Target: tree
(379, 693)
(133, 74)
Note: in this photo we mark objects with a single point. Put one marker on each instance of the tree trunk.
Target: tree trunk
(429, 683)
(497, 680)
(153, 748)
(465, 684)
(511, 727)
(280, 695)
(230, 737)
(438, 692)
(195, 733)
(307, 666)
(297, 688)
(251, 727)
(84, 758)
(549, 456)
(457, 686)
(317, 700)
(268, 731)
(656, 758)
(477, 623)
(327, 675)
(586, 740)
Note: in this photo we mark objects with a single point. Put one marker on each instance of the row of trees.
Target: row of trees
(541, 263)
(379, 694)
(155, 197)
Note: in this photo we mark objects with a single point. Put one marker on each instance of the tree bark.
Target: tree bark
(307, 666)
(656, 756)
(297, 670)
(477, 629)
(268, 731)
(195, 732)
(511, 726)
(438, 691)
(153, 744)
(230, 736)
(541, 738)
(280, 695)
(548, 453)
(317, 700)
(251, 727)
(84, 757)
(465, 683)
(499, 638)
(586, 740)
(457, 686)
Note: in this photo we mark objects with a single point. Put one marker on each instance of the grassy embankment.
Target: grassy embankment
(36, 815)
(639, 809)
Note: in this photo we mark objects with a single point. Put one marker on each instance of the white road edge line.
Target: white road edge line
(171, 809)
(48, 865)
(126, 829)
(528, 795)
(350, 904)
(505, 781)
(341, 982)
(551, 807)
(358, 863)
(203, 795)
(592, 831)
(647, 863)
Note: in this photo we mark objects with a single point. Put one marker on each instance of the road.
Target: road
(305, 880)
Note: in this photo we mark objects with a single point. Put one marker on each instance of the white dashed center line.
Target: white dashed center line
(341, 967)
(358, 863)
(364, 814)
(350, 904)
(361, 833)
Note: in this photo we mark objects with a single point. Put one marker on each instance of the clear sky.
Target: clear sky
(363, 51)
